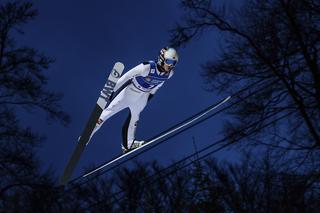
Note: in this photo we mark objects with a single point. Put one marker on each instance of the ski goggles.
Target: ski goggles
(170, 62)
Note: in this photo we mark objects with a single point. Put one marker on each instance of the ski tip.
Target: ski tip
(119, 65)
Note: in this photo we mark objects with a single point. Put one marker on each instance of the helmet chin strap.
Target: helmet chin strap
(160, 68)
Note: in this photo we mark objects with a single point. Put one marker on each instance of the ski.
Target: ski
(103, 100)
(170, 131)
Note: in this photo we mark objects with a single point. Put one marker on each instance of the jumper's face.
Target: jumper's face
(167, 68)
(169, 64)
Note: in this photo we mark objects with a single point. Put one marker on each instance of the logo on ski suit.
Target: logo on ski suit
(115, 73)
(153, 79)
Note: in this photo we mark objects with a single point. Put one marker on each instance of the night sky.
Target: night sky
(86, 38)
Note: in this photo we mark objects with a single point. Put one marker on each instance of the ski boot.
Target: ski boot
(134, 145)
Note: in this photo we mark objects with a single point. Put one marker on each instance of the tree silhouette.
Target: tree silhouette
(252, 185)
(274, 43)
(22, 86)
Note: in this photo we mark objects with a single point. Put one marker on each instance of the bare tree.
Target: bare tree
(22, 86)
(276, 44)
(254, 184)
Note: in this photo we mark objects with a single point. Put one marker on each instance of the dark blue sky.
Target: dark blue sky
(86, 38)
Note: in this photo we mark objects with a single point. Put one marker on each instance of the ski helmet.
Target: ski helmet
(168, 56)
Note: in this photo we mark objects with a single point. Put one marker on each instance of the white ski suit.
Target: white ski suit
(133, 90)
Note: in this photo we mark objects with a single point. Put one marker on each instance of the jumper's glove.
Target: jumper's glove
(150, 96)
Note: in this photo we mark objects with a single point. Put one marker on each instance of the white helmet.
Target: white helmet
(168, 56)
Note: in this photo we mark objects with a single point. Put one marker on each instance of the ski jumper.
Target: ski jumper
(133, 90)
